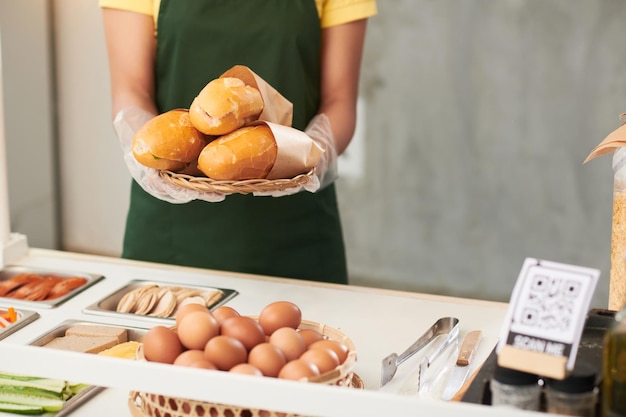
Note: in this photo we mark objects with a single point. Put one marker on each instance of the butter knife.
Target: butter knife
(461, 369)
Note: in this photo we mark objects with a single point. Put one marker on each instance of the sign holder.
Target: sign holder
(546, 317)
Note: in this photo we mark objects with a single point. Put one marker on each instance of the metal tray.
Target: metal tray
(10, 271)
(134, 333)
(23, 318)
(108, 305)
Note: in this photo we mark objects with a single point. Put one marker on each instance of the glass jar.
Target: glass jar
(617, 285)
(576, 395)
(614, 368)
(517, 389)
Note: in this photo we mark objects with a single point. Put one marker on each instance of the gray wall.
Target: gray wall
(29, 123)
(479, 116)
(476, 117)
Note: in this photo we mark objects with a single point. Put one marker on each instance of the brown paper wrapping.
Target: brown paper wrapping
(276, 108)
(617, 285)
(297, 153)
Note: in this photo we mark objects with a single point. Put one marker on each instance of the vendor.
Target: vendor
(161, 53)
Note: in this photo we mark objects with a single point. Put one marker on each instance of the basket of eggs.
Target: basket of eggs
(277, 343)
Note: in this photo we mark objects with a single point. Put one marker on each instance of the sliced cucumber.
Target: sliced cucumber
(20, 408)
(20, 398)
(56, 386)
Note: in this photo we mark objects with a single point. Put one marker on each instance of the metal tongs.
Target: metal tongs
(445, 325)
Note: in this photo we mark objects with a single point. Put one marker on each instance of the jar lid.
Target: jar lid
(514, 377)
(581, 379)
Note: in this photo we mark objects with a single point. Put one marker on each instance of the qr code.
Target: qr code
(550, 302)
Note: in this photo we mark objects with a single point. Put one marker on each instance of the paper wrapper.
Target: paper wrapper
(615, 142)
(276, 108)
(297, 152)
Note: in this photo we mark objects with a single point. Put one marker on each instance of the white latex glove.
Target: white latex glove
(320, 131)
(126, 124)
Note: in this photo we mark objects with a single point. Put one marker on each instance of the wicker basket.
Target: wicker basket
(205, 184)
(153, 405)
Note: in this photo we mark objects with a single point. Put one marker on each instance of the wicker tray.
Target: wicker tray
(152, 405)
(205, 184)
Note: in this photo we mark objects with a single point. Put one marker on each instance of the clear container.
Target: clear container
(576, 395)
(617, 285)
(614, 368)
(517, 389)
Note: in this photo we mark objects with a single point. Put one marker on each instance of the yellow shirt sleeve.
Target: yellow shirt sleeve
(331, 12)
(337, 12)
(139, 6)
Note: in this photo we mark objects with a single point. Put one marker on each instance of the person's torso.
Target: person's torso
(278, 39)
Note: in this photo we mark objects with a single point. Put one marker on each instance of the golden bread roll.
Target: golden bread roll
(247, 153)
(168, 141)
(224, 105)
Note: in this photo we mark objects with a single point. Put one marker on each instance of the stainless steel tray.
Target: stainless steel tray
(23, 318)
(108, 305)
(10, 271)
(134, 333)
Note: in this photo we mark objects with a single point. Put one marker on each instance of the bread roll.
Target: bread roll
(247, 153)
(168, 141)
(224, 105)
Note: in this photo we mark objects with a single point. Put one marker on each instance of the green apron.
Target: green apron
(296, 236)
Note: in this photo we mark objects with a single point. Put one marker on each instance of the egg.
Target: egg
(325, 359)
(298, 369)
(289, 341)
(196, 328)
(204, 364)
(310, 336)
(267, 358)
(339, 348)
(161, 344)
(244, 329)
(189, 356)
(225, 352)
(188, 308)
(280, 314)
(223, 312)
(246, 369)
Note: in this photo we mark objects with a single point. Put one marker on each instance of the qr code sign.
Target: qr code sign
(550, 302)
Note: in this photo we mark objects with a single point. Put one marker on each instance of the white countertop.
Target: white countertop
(378, 322)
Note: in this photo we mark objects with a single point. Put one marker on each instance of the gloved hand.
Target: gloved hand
(126, 123)
(320, 131)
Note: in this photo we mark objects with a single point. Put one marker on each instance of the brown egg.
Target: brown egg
(188, 308)
(244, 329)
(340, 348)
(325, 359)
(247, 369)
(223, 312)
(280, 314)
(298, 369)
(267, 358)
(161, 344)
(189, 356)
(225, 352)
(310, 336)
(289, 341)
(204, 364)
(196, 328)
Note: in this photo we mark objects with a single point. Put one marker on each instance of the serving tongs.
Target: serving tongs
(444, 326)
